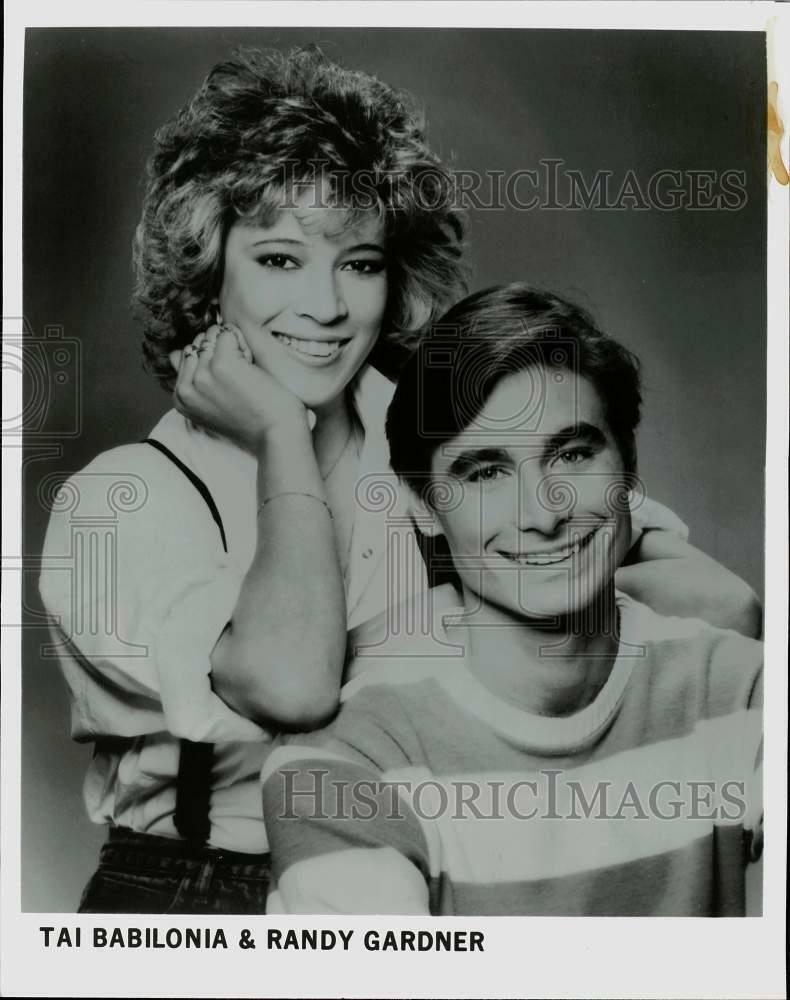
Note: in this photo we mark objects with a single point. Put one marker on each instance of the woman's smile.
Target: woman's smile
(313, 352)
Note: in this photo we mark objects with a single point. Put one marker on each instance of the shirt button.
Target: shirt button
(367, 553)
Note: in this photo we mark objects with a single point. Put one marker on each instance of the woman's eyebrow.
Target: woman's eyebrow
(290, 241)
(278, 239)
(356, 247)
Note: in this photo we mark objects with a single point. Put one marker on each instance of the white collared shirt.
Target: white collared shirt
(137, 581)
(140, 588)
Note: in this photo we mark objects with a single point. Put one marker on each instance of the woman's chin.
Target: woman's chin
(322, 396)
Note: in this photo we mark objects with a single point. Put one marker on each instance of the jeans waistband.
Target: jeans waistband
(148, 850)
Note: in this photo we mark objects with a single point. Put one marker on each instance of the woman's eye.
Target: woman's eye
(365, 266)
(487, 474)
(278, 261)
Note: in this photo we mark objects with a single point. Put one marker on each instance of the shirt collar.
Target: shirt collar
(371, 394)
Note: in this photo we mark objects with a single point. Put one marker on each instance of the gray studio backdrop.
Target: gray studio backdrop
(685, 289)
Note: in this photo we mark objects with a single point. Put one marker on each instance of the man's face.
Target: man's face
(537, 522)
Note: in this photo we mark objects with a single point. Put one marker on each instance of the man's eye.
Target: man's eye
(364, 266)
(278, 261)
(573, 456)
(487, 474)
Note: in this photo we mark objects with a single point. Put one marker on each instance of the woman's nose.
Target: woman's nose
(322, 299)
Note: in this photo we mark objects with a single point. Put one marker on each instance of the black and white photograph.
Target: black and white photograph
(401, 444)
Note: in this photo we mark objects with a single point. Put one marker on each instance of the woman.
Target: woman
(293, 213)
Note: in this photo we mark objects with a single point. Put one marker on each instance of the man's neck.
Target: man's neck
(551, 667)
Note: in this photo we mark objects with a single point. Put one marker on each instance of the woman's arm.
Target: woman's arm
(281, 657)
(674, 578)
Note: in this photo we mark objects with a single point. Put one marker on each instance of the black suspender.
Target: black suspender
(193, 788)
(197, 482)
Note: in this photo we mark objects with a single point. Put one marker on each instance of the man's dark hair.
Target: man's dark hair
(480, 341)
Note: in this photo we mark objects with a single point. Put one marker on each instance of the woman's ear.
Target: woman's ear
(213, 316)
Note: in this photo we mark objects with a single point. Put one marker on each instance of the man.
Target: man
(548, 745)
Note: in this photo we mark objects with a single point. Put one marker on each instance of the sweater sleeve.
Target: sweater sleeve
(334, 814)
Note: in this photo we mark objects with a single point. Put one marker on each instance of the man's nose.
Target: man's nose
(543, 502)
(322, 299)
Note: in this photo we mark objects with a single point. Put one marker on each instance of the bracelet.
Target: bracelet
(295, 493)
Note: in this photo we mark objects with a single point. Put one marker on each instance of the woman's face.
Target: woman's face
(308, 294)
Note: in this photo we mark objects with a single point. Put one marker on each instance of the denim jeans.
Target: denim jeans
(140, 873)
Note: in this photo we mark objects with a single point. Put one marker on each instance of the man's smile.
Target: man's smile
(547, 557)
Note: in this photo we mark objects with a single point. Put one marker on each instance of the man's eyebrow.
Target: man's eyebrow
(583, 431)
(546, 443)
(472, 457)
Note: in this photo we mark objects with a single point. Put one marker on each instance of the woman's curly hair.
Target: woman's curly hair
(262, 124)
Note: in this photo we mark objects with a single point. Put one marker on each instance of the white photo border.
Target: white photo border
(523, 956)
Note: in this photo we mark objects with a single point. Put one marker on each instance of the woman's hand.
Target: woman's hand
(219, 387)
(674, 578)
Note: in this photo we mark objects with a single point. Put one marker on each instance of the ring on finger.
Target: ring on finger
(241, 344)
